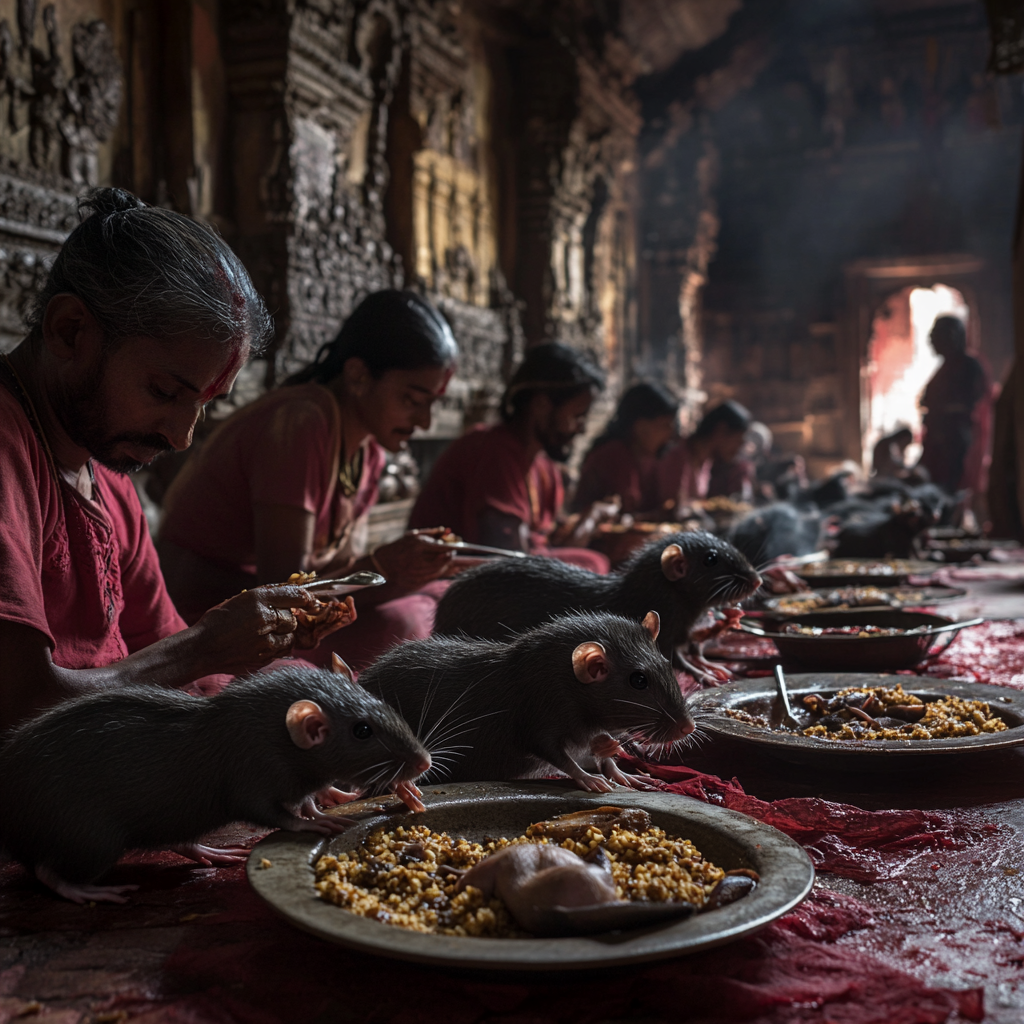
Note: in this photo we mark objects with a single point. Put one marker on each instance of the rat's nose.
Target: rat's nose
(423, 765)
(684, 729)
(755, 579)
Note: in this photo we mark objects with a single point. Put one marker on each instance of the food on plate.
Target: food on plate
(852, 567)
(795, 629)
(885, 713)
(410, 877)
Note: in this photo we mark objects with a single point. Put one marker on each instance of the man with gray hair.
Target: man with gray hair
(145, 318)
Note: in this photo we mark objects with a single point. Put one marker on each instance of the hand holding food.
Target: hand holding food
(248, 630)
(414, 559)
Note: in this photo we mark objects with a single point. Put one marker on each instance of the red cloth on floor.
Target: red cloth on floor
(863, 845)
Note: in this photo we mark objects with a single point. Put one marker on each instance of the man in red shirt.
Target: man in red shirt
(146, 316)
(501, 485)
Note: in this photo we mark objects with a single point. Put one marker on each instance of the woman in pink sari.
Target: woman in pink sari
(285, 483)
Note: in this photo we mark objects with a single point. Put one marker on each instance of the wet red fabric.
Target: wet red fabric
(863, 845)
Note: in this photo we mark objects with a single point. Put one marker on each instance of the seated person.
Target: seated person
(501, 485)
(623, 461)
(285, 483)
(145, 317)
(889, 456)
(738, 478)
(685, 470)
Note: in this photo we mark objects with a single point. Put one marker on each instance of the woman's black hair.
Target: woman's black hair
(557, 370)
(388, 330)
(640, 402)
(731, 415)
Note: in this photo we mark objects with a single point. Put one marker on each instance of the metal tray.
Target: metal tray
(755, 696)
(904, 597)
(878, 572)
(864, 654)
(475, 810)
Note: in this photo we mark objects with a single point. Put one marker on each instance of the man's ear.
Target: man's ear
(652, 623)
(70, 331)
(307, 724)
(589, 663)
(673, 563)
(339, 668)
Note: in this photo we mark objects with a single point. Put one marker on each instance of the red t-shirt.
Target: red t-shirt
(489, 468)
(84, 573)
(611, 468)
(282, 449)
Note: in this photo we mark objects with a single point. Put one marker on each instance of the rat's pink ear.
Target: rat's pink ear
(673, 563)
(652, 623)
(307, 724)
(339, 668)
(589, 664)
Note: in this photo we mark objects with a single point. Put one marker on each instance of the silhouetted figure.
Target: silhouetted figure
(949, 400)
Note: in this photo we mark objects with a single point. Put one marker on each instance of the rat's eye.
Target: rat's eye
(361, 731)
(638, 681)
(711, 558)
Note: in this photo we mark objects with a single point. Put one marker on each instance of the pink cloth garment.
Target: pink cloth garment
(83, 573)
(610, 469)
(681, 478)
(282, 449)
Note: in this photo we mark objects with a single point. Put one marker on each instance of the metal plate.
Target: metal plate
(756, 695)
(474, 810)
(903, 597)
(877, 572)
(862, 653)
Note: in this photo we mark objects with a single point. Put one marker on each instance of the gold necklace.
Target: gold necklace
(350, 473)
(37, 424)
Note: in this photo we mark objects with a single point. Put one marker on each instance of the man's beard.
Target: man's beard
(83, 416)
(558, 447)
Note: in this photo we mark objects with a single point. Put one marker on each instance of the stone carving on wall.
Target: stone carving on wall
(52, 124)
(56, 121)
(453, 230)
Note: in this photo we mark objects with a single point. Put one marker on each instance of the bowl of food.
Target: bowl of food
(880, 572)
(843, 599)
(866, 721)
(964, 549)
(861, 640)
(393, 883)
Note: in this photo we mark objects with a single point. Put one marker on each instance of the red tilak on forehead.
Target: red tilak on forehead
(444, 384)
(219, 386)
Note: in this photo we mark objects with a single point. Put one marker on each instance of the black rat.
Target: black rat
(561, 695)
(681, 577)
(141, 767)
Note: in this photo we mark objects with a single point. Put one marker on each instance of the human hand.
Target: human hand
(415, 558)
(246, 631)
(330, 616)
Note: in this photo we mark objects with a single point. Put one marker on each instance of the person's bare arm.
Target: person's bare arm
(238, 635)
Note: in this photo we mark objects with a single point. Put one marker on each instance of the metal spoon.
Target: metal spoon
(780, 687)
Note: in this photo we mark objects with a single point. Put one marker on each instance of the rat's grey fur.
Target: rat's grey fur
(142, 767)
(495, 711)
(509, 595)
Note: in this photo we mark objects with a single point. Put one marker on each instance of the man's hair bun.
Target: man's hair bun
(102, 202)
